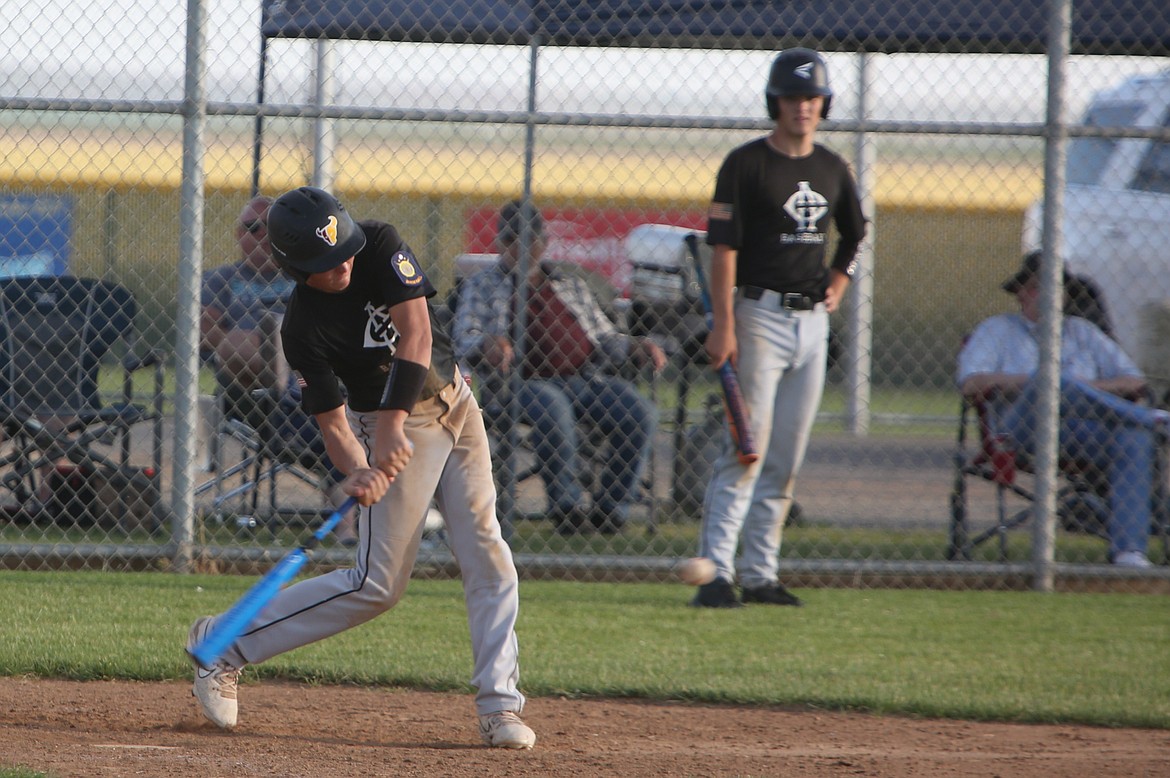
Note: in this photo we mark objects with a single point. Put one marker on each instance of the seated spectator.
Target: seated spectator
(571, 356)
(242, 305)
(1099, 423)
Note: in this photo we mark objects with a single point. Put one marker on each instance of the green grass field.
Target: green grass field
(1010, 656)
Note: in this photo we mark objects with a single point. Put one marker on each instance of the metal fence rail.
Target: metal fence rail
(115, 168)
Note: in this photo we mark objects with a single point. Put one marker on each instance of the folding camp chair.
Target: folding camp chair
(1082, 498)
(991, 458)
(244, 418)
(66, 456)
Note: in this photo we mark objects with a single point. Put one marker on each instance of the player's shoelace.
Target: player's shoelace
(504, 718)
(226, 681)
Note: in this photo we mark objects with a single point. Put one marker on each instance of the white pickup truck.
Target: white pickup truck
(1117, 216)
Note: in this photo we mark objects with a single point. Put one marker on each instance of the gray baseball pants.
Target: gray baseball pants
(452, 462)
(781, 366)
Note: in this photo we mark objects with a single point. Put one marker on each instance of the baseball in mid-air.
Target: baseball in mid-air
(696, 571)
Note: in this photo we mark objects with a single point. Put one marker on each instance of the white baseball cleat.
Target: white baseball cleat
(504, 729)
(215, 688)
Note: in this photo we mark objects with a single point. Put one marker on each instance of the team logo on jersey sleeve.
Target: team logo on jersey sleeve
(405, 268)
(328, 233)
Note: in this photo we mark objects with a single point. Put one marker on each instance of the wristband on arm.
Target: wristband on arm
(403, 385)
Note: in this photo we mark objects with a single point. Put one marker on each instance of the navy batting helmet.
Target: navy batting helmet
(311, 232)
(797, 72)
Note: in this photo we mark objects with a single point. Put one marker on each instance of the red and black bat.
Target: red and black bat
(737, 412)
(232, 624)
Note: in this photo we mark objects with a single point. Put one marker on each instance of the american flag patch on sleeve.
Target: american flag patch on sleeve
(300, 379)
(720, 212)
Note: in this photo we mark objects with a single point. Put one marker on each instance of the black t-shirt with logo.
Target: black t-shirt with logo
(348, 337)
(775, 211)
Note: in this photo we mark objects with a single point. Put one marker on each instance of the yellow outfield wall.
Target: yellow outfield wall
(120, 164)
(944, 234)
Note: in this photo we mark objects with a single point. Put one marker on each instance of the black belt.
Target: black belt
(791, 301)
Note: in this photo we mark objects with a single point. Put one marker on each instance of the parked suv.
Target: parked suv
(1117, 216)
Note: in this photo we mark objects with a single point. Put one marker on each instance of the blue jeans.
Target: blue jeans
(1110, 433)
(553, 407)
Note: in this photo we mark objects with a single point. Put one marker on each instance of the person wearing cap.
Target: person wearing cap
(1100, 424)
(568, 373)
(405, 430)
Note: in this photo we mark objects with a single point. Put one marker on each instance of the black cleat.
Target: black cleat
(772, 594)
(716, 594)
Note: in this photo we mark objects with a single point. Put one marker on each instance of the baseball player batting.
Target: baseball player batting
(407, 429)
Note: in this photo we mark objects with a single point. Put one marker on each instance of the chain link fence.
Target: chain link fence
(136, 136)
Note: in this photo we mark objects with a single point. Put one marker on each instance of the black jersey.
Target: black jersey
(775, 211)
(348, 336)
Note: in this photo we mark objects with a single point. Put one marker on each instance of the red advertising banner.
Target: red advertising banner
(592, 237)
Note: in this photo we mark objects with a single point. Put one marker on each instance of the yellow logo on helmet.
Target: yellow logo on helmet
(328, 233)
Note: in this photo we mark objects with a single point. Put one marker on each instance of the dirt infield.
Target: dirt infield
(154, 729)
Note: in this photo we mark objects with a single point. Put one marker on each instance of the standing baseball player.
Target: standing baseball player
(772, 295)
(407, 429)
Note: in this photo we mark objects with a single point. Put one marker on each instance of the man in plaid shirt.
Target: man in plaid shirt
(571, 355)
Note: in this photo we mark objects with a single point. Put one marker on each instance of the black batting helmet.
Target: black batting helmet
(311, 232)
(797, 72)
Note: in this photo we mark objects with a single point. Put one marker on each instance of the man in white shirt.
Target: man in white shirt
(1098, 424)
